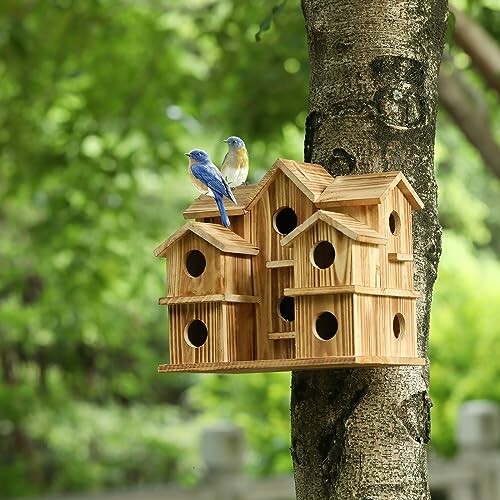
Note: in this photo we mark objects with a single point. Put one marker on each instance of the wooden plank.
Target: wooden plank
(218, 236)
(219, 297)
(344, 223)
(361, 290)
(273, 264)
(281, 335)
(400, 257)
(276, 365)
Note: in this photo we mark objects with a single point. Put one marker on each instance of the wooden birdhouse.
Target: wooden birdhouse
(314, 272)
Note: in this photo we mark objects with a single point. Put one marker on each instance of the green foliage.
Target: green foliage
(98, 101)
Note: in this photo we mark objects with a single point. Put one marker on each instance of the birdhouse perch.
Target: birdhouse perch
(315, 271)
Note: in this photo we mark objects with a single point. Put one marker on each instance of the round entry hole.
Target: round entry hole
(394, 223)
(285, 220)
(195, 263)
(398, 325)
(323, 255)
(326, 326)
(286, 308)
(196, 333)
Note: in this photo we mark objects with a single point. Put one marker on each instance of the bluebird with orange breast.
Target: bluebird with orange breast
(235, 164)
(207, 179)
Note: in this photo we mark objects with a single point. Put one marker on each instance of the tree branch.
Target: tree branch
(479, 45)
(472, 119)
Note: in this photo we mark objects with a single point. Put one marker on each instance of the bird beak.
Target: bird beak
(187, 154)
(225, 140)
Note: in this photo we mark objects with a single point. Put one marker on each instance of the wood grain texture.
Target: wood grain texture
(219, 236)
(272, 264)
(367, 189)
(204, 206)
(221, 297)
(346, 224)
(308, 344)
(230, 332)
(400, 257)
(360, 290)
(276, 365)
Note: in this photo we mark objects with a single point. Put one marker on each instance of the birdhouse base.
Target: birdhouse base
(283, 365)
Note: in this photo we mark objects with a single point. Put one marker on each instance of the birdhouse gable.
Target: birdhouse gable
(218, 236)
(344, 223)
(204, 205)
(310, 179)
(367, 189)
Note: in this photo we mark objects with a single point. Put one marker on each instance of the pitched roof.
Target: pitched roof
(344, 223)
(204, 206)
(218, 236)
(366, 189)
(310, 178)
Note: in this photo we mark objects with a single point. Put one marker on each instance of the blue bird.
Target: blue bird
(235, 164)
(207, 179)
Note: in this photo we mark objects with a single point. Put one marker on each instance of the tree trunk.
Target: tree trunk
(362, 433)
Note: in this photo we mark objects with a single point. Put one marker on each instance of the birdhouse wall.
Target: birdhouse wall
(367, 264)
(309, 308)
(307, 274)
(268, 216)
(387, 326)
(399, 228)
(228, 332)
(237, 274)
(240, 224)
(180, 282)
(274, 334)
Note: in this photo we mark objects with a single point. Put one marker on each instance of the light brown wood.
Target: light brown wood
(204, 205)
(400, 257)
(228, 297)
(219, 236)
(366, 189)
(276, 365)
(281, 335)
(346, 224)
(361, 290)
(273, 264)
(267, 298)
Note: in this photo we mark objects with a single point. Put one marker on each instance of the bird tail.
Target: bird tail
(222, 210)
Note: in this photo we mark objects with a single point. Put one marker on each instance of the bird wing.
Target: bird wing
(210, 175)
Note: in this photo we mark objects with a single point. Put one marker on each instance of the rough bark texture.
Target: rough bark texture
(363, 433)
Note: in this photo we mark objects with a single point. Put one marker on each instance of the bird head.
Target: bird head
(198, 155)
(234, 142)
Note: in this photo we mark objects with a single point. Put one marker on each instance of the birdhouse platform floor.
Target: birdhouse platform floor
(283, 365)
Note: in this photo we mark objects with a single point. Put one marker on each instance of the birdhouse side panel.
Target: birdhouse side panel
(240, 224)
(237, 274)
(367, 264)
(396, 222)
(240, 321)
(400, 275)
(387, 326)
(197, 333)
(324, 326)
(281, 314)
(194, 267)
(279, 210)
(323, 257)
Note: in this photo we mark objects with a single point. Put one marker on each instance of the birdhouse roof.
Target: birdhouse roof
(366, 189)
(344, 223)
(218, 236)
(310, 178)
(204, 205)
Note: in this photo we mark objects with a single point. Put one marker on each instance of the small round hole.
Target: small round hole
(195, 263)
(323, 255)
(285, 220)
(286, 308)
(326, 326)
(394, 223)
(398, 325)
(196, 333)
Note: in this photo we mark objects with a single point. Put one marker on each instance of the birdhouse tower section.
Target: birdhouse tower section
(314, 271)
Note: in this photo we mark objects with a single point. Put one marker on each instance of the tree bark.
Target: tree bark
(362, 433)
